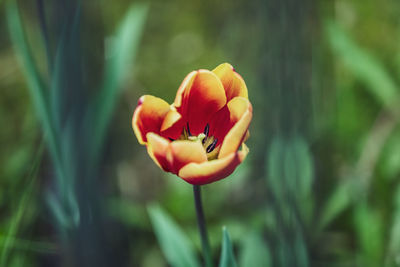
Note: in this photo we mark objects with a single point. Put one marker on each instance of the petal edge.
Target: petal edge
(159, 151)
(148, 116)
(241, 112)
(233, 83)
(212, 171)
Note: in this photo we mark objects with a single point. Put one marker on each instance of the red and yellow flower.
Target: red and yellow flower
(198, 136)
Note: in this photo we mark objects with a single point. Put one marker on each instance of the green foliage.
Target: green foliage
(61, 138)
(176, 247)
(121, 53)
(363, 65)
(227, 258)
(35, 82)
(394, 240)
(338, 201)
(276, 176)
(390, 159)
(10, 240)
(290, 167)
(370, 234)
(329, 198)
(254, 252)
(75, 130)
(290, 172)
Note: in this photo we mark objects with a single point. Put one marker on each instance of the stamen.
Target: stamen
(212, 146)
(171, 139)
(206, 129)
(185, 134)
(187, 124)
(208, 141)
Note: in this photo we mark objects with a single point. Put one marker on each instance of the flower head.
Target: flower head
(198, 136)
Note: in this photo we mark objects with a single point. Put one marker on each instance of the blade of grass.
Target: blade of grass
(36, 86)
(363, 65)
(124, 49)
(339, 201)
(28, 245)
(24, 202)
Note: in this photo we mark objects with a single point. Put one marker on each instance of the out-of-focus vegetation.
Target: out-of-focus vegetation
(320, 186)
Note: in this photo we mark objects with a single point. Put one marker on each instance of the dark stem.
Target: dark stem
(202, 226)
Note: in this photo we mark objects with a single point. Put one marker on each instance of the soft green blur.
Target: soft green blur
(320, 186)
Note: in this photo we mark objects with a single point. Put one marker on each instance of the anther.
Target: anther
(206, 130)
(212, 146)
(187, 124)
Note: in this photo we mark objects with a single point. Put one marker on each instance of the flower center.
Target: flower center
(209, 142)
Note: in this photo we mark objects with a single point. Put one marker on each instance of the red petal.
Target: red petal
(227, 118)
(148, 116)
(200, 96)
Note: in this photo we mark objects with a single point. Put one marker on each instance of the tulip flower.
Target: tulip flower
(200, 137)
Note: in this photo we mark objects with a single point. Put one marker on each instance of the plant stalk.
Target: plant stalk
(202, 226)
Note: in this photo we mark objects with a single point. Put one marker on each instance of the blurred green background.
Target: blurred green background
(320, 186)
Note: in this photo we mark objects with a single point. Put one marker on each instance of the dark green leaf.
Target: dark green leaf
(275, 168)
(227, 258)
(300, 249)
(304, 166)
(175, 245)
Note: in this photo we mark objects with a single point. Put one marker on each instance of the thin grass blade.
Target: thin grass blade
(123, 50)
(36, 86)
(9, 239)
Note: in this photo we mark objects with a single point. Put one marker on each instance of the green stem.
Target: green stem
(202, 226)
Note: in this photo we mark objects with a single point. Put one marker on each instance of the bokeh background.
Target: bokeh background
(320, 186)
